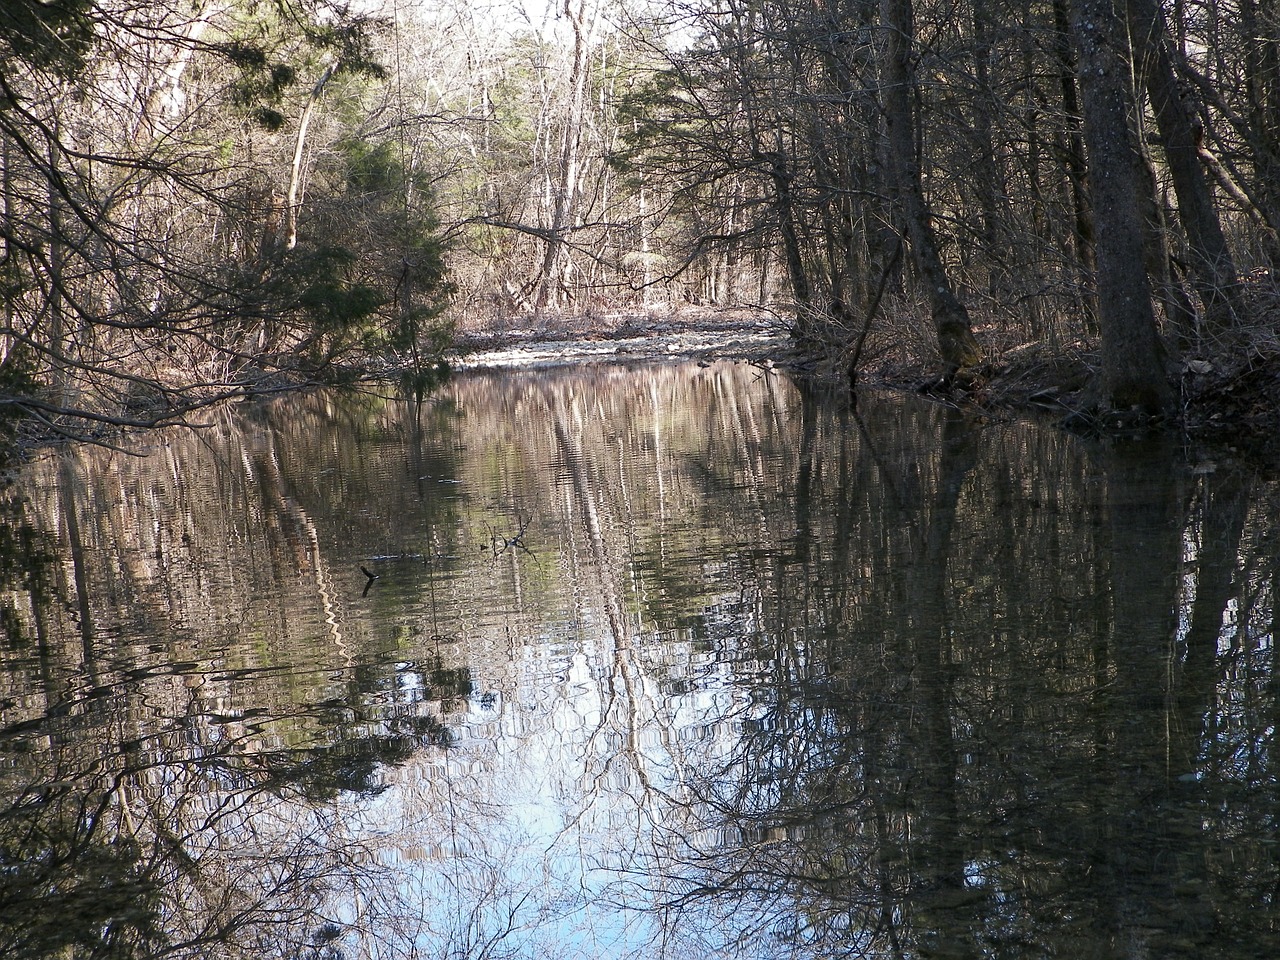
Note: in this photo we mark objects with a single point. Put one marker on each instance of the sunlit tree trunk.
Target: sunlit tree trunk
(8, 255)
(57, 311)
(162, 99)
(1213, 269)
(296, 169)
(553, 281)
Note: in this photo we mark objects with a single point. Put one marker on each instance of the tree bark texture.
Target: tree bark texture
(1074, 143)
(954, 331)
(1258, 19)
(1132, 369)
(781, 178)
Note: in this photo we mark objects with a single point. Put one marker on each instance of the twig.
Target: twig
(501, 545)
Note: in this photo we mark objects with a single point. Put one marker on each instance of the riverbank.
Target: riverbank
(1229, 396)
(622, 337)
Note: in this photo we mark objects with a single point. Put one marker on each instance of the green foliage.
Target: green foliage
(51, 34)
(259, 85)
(333, 305)
(66, 890)
(18, 378)
(331, 300)
(351, 44)
(269, 55)
(397, 283)
(371, 167)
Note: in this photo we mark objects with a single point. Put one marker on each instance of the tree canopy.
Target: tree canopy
(196, 198)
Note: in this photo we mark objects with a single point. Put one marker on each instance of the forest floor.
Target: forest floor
(1229, 396)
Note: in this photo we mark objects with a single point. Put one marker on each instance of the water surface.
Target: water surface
(666, 662)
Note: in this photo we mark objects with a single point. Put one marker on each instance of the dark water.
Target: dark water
(674, 662)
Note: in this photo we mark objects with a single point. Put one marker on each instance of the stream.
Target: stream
(680, 660)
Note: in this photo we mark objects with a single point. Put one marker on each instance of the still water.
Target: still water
(654, 663)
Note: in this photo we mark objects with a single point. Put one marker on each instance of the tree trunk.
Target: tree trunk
(163, 99)
(1132, 373)
(293, 201)
(987, 172)
(8, 256)
(956, 342)
(1262, 97)
(1213, 270)
(554, 276)
(781, 177)
(1074, 145)
(58, 348)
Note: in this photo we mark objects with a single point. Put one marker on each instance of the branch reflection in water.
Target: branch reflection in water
(652, 662)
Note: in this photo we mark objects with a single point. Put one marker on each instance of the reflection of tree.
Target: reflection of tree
(931, 763)
(157, 805)
(842, 799)
(186, 839)
(137, 857)
(821, 683)
(627, 711)
(26, 560)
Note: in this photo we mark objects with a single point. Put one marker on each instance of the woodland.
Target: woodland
(1074, 203)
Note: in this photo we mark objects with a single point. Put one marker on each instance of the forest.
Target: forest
(659, 661)
(1076, 198)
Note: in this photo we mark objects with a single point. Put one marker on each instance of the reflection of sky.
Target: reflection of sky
(554, 823)
(542, 824)
(624, 676)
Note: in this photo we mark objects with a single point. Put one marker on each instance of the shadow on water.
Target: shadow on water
(653, 663)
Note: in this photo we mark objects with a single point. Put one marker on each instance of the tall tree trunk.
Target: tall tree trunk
(1258, 19)
(1132, 372)
(1213, 270)
(781, 176)
(553, 279)
(1166, 286)
(951, 322)
(162, 99)
(58, 347)
(1074, 145)
(293, 200)
(8, 255)
(987, 172)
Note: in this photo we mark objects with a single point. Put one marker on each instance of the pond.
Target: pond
(637, 662)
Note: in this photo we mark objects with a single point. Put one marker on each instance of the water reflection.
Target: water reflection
(657, 663)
